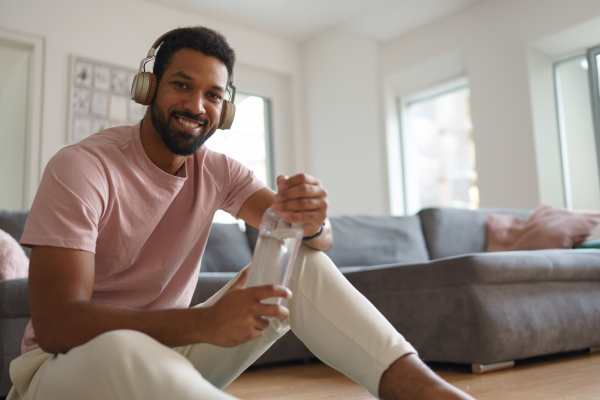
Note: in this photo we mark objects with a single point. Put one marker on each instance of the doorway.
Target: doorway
(21, 60)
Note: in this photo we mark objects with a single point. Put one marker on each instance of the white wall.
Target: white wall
(496, 38)
(342, 86)
(345, 136)
(120, 32)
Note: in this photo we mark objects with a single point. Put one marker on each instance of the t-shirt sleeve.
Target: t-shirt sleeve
(242, 184)
(69, 202)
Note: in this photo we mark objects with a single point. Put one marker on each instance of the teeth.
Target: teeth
(188, 124)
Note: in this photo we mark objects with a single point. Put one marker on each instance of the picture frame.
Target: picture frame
(99, 97)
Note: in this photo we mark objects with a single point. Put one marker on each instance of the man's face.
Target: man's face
(186, 108)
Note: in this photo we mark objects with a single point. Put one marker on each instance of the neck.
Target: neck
(156, 150)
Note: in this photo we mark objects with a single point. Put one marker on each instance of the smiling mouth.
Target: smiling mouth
(188, 124)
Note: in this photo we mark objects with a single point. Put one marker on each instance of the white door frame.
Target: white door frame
(33, 137)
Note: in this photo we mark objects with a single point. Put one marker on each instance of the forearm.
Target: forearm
(64, 315)
(79, 322)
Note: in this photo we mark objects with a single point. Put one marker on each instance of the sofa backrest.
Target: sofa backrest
(456, 231)
(228, 249)
(377, 240)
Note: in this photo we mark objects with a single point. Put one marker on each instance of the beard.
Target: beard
(179, 142)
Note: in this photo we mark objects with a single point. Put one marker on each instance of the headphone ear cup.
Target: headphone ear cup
(151, 89)
(143, 88)
(227, 115)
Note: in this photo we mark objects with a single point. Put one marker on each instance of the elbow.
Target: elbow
(50, 348)
(50, 338)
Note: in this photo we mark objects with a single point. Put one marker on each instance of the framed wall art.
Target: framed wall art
(100, 97)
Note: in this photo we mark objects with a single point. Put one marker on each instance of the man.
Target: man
(117, 232)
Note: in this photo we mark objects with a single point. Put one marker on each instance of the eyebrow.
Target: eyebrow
(183, 75)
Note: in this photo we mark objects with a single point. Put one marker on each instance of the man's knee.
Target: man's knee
(117, 354)
(311, 258)
(120, 343)
(137, 364)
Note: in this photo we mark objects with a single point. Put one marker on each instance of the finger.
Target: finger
(306, 218)
(269, 291)
(301, 191)
(262, 323)
(281, 180)
(315, 205)
(275, 311)
(299, 179)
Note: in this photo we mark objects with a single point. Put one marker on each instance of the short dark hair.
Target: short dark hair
(204, 40)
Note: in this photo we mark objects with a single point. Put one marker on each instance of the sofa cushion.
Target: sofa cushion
(546, 228)
(376, 240)
(456, 231)
(13, 223)
(14, 263)
(227, 249)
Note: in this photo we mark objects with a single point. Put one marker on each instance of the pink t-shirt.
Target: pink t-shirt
(147, 228)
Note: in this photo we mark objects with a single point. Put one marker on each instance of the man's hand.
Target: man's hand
(302, 199)
(239, 316)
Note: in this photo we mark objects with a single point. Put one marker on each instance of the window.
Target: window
(438, 151)
(248, 141)
(593, 59)
(575, 110)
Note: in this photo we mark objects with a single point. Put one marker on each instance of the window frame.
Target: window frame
(592, 59)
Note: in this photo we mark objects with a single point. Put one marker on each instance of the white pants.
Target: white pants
(327, 313)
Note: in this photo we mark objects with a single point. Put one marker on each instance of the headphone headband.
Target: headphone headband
(151, 53)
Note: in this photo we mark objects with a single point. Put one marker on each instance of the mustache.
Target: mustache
(187, 114)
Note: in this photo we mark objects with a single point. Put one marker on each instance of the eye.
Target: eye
(214, 96)
(181, 85)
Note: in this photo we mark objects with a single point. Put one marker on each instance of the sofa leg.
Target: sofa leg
(485, 368)
(595, 349)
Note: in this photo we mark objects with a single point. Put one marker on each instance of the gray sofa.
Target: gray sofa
(428, 274)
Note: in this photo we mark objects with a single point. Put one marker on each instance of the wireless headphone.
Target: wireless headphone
(144, 88)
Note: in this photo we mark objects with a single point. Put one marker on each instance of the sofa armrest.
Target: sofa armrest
(521, 266)
(481, 269)
(14, 298)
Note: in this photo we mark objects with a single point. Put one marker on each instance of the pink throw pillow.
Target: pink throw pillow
(546, 228)
(14, 263)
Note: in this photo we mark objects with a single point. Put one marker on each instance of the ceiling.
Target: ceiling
(299, 20)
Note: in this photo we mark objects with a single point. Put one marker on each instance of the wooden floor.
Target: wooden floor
(570, 376)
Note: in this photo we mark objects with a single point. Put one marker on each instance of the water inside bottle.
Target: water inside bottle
(274, 256)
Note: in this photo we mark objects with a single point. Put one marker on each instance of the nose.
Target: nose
(195, 103)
